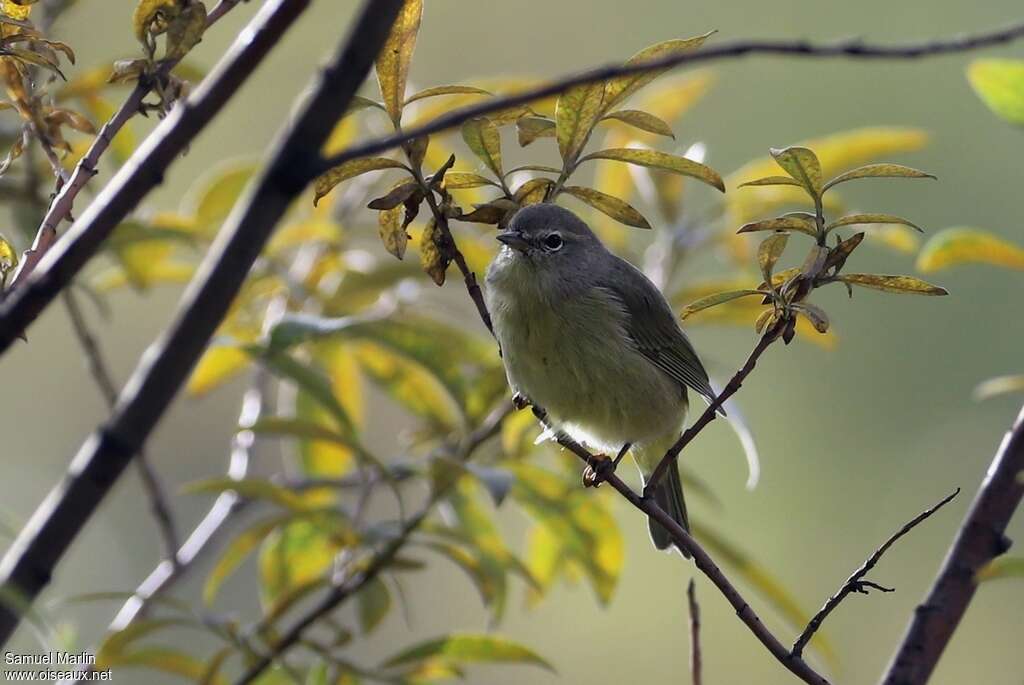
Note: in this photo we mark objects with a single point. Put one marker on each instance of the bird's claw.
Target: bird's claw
(597, 471)
(519, 401)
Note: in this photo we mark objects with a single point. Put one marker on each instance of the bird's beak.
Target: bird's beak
(514, 239)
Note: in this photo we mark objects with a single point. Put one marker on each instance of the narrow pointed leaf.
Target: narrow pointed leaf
(1001, 567)
(326, 181)
(621, 88)
(457, 180)
(396, 55)
(663, 161)
(798, 224)
(617, 209)
(447, 90)
(717, 298)
(576, 112)
(771, 181)
(802, 164)
(955, 246)
(373, 604)
(1000, 85)
(816, 315)
(854, 219)
(641, 120)
(878, 171)
(1001, 385)
(769, 251)
(529, 129)
(894, 284)
(461, 648)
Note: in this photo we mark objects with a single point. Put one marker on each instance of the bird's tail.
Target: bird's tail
(669, 496)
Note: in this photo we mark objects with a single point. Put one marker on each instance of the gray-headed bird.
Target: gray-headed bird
(589, 338)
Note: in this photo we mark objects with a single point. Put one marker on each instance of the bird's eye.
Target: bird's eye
(553, 242)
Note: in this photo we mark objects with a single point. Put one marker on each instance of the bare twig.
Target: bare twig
(980, 539)
(157, 494)
(143, 171)
(87, 167)
(26, 568)
(696, 661)
(351, 586)
(852, 49)
(856, 582)
(734, 384)
(701, 559)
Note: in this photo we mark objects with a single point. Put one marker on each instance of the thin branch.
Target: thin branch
(980, 539)
(850, 49)
(696, 661)
(735, 383)
(701, 559)
(856, 582)
(380, 560)
(27, 567)
(155, 491)
(87, 167)
(143, 171)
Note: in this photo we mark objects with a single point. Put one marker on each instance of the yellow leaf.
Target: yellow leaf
(17, 9)
(955, 246)
(148, 12)
(325, 182)
(577, 111)
(1000, 84)
(893, 284)
(644, 121)
(620, 210)
(219, 364)
(434, 262)
(395, 57)
(663, 161)
(8, 256)
(898, 238)
(392, 232)
(1000, 385)
(878, 171)
(343, 371)
(185, 30)
(621, 88)
(482, 137)
(802, 165)
(212, 196)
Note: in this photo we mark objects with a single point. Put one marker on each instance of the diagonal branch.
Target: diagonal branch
(846, 49)
(981, 538)
(144, 170)
(87, 167)
(856, 582)
(27, 567)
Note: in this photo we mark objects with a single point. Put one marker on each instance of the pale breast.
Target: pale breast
(573, 357)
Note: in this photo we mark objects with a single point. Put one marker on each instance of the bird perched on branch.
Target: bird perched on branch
(585, 335)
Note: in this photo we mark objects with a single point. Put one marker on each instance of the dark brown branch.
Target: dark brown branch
(980, 539)
(143, 171)
(87, 167)
(696, 661)
(734, 384)
(852, 49)
(702, 560)
(856, 582)
(27, 567)
(351, 586)
(155, 491)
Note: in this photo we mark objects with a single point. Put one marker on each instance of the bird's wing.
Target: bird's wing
(654, 329)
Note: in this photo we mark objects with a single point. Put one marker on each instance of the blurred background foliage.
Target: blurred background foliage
(857, 429)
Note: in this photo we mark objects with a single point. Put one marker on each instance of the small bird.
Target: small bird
(585, 335)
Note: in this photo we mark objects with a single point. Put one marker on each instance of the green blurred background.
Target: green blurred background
(854, 441)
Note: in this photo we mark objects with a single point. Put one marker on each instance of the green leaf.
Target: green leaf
(791, 223)
(300, 553)
(113, 647)
(617, 209)
(1000, 385)
(534, 167)
(211, 198)
(249, 488)
(621, 88)
(374, 603)
(325, 182)
(644, 121)
(769, 251)
(235, 554)
(396, 196)
(663, 161)
(465, 648)
(488, 580)
(1001, 567)
(395, 57)
(816, 315)
(311, 381)
(576, 112)
(529, 129)
(878, 171)
(482, 137)
(717, 298)
(802, 165)
(163, 659)
(955, 246)
(893, 284)
(185, 30)
(533, 191)
(447, 90)
(1000, 85)
(457, 180)
(771, 181)
(854, 219)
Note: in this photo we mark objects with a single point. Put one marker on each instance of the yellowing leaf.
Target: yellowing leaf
(716, 299)
(855, 219)
(299, 553)
(802, 164)
(790, 223)
(185, 30)
(217, 365)
(577, 111)
(641, 120)
(617, 209)
(211, 198)
(1001, 385)
(898, 238)
(395, 57)
(8, 256)
(325, 182)
(482, 137)
(147, 12)
(878, 171)
(893, 284)
(461, 648)
(1000, 85)
(769, 251)
(433, 260)
(663, 161)
(16, 10)
(446, 90)
(235, 553)
(955, 246)
(529, 129)
(621, 88)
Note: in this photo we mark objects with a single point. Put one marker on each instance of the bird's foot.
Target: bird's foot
(601, 467)
(520, 401)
